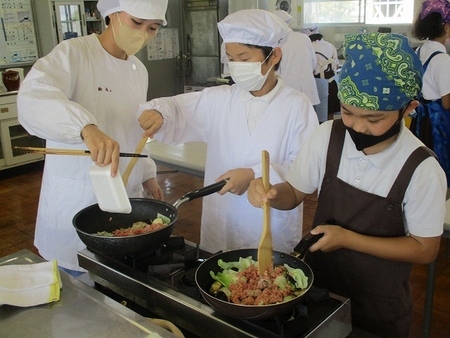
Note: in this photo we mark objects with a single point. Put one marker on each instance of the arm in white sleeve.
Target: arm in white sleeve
(306, 124)
(44, 105)
(182, 116)
(149, 170)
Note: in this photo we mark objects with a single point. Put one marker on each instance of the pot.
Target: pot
(255, 312)
(11, 80)
(92, 219)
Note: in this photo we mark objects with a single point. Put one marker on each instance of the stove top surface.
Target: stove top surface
(163, 281)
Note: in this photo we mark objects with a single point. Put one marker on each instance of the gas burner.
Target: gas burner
(188, 278)
(162, 282)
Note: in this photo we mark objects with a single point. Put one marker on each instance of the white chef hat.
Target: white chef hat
(254, 27)
(310, 31)
(283, 15)
(142, 9)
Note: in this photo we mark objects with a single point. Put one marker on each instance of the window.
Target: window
(358, 11)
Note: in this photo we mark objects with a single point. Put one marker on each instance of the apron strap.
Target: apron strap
(335, 146)
(425, 65)
(326, 68)
(401, 183)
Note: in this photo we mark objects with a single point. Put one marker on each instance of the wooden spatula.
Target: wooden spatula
(265, 251)
(130, 166)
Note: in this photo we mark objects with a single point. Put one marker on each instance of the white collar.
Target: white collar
(381, 159)
(247, 96)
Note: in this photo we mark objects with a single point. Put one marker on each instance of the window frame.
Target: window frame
(361, 17)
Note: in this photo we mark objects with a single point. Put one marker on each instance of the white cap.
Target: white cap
(142, 9)
(283, 15)
(310, 31)
(254, 27)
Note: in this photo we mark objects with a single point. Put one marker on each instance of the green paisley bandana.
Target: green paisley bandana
(381, 72)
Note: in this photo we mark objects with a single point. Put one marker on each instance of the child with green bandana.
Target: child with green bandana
(382, 193)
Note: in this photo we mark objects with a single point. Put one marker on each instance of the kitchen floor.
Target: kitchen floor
(19, 194)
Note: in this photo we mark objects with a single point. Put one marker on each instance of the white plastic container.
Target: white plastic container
(110, 191)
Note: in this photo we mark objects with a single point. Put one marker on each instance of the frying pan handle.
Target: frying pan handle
(205, 191)
(306, 242)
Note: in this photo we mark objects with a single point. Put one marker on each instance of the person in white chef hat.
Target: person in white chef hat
(84, 94)
(298, 62)
(237, 122)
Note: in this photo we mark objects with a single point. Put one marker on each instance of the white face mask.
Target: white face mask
(130, 40)
(247, 75)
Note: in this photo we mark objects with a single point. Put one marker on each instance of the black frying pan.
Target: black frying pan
(91, 220)
(254, 312)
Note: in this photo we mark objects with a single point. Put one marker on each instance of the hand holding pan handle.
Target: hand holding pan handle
(208, 190)
(306, 242)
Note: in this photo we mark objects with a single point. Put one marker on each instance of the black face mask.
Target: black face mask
(363, 141)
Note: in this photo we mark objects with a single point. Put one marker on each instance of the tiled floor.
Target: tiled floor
(19, 193)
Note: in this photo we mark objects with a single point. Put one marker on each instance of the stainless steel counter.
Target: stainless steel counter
(81, 312)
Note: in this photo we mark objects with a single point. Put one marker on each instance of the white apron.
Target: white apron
(102, 90)
(217, 116)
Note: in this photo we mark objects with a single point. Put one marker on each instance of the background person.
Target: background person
(298, 62)
(237, 122)
(82, 95)
(325, 74)
(382, 193)
(432, 122)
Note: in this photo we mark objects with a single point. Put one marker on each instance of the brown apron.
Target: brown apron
(378, 288)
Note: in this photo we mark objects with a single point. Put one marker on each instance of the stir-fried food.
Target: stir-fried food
(138, 228)
(240, 283)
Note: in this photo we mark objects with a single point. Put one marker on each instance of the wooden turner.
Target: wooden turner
(265, 251)
(130, 166)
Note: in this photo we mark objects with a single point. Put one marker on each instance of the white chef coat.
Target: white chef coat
(423, 204)
(297, 65)
(77, 84)
(436, 80)
(326, 48)
(218, 116)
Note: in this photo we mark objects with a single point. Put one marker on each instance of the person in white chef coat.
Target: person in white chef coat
(84, 94)
(325, 74)
(237, 122)
(298, 62)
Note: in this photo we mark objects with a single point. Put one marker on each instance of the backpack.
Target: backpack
(421, 123)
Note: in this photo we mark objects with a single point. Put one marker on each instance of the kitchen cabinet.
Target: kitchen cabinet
(65, 19)
(94, 21)
(13, 134)
(69, 20)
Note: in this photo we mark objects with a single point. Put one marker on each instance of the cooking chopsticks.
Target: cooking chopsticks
(76, 152)
(132, 162)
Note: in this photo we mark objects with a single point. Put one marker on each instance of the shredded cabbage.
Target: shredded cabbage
(294, 279)
(242, 264)
(301, 280)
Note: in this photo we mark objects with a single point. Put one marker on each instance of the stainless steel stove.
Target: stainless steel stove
(162, 282)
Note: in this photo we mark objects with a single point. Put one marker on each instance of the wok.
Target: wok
(92, 219)
(255, 312)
